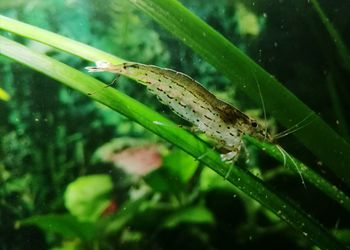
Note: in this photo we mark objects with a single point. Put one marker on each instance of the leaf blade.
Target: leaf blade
(333, 150)
(112, 98)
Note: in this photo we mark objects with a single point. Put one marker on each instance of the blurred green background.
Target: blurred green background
(77, 175)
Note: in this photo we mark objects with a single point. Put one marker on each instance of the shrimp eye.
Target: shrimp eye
(254, 124)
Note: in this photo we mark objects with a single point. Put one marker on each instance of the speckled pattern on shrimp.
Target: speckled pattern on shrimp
(187, 98)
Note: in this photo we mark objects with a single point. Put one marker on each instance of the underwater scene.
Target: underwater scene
(174, 124)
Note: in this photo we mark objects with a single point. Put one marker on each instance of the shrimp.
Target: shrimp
(187, 98)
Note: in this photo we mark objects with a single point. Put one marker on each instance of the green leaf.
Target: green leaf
(245, 181)
(4, 95)
(160, 181)
(343, 51)
(198, 214)
(210, 180)
(283, 105)
(88, 196)
(177, 169)
(305, 172)
(180, 165)
(57, 41)
(66, 225)
(343, 235)
(127, 212)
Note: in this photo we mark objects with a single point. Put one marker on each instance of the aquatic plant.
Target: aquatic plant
(280, 103)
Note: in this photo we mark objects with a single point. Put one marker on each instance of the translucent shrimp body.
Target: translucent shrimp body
(188, 99)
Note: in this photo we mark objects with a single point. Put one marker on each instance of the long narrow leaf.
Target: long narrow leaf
(246, 182)
(274, 150)
(305, 172)
(318, 137)
(90, 53)
(343, 51)
(63, 43)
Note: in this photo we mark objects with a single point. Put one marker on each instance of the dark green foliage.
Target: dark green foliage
(49, 133)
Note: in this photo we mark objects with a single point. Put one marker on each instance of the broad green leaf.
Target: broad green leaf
(4, 95)
(88, 196)
(66, 225)
(199, 214)
(173, 177)
(343, 235)
(180, 165)
(115, 223)
(210, 180)
(160, 181)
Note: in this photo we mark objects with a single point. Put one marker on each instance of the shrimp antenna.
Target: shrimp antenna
(115, 80)
(295, 127)
(284, 153)
(262, 105)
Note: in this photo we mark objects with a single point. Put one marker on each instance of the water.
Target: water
(76, 174)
